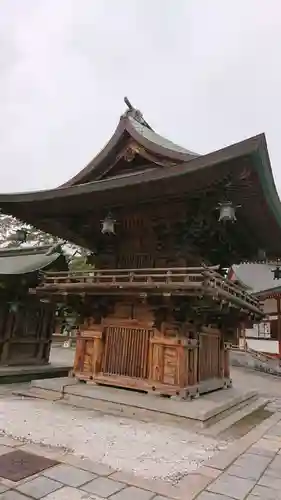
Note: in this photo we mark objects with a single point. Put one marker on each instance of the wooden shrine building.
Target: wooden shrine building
(26, 321)
(262, 280)
(162, 224)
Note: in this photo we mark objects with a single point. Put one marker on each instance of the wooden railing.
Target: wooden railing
(185, 280)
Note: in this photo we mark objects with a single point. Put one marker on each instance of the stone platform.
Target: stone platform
(202, 412)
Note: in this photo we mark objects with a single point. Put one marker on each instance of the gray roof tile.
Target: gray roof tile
(151, 136)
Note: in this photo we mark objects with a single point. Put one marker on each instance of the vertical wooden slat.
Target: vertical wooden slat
(209, 356)
(126, 351)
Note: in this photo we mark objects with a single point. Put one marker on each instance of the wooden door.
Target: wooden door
(209, 355)
(126, 351)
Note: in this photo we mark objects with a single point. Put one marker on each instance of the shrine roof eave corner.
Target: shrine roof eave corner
(265, 174)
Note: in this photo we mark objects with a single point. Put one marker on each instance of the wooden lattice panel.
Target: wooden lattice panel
(126, 351)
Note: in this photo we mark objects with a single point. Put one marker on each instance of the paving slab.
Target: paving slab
(276, 463)
(12, 495)
(68, 493)
(249, 466)
(236, 486)
(132, 493)
(103, 487)
(68, 475)
(87, 464)
(264, 493)
(39, 487)
(271, 482)
(207, 495)
(265, 447)
(159, 497)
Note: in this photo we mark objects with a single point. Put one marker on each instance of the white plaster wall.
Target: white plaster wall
(263, 345)
(270, 306)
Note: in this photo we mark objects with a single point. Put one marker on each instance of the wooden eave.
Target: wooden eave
(211, 163)
(270, 293)
(244, 166)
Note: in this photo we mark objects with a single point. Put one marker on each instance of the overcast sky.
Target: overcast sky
(205, 74)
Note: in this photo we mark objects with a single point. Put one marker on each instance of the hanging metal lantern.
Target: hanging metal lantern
(276, 273)
(227, 211)
(108, 225)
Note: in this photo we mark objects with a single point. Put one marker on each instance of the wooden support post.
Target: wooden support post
(243, 335)
(226, 368)
(278, 301)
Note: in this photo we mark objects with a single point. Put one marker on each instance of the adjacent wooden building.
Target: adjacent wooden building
(162, 224)
(260, 280)
(26, 321)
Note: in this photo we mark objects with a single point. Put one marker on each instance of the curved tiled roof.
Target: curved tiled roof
(257, 277)
(157, 139)
(131, 124)
(27, 260)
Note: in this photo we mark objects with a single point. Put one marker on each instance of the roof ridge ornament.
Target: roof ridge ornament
(136, 114)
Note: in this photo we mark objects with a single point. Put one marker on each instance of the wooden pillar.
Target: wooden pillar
(226, 367)
(278, 301)
(243, 335)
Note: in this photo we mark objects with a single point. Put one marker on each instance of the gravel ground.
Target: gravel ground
(149, 450)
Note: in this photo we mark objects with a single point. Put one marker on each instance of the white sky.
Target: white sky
(205, 74)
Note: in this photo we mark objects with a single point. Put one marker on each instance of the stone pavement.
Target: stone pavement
(248, 469)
